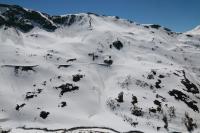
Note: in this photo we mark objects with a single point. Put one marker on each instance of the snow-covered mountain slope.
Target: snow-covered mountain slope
(195, 31)
(93, 73)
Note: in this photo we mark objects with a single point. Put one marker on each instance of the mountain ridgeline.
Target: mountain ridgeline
(25, 19)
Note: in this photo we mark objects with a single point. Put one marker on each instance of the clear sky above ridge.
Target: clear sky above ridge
(178, 15)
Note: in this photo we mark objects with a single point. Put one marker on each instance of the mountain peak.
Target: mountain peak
(25, 19)
(197, 27)
(195, 31)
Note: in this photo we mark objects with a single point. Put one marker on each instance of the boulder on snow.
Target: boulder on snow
(118, 45)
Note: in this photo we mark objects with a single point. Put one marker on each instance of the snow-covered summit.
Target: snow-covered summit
(26, 20)
(195, 31)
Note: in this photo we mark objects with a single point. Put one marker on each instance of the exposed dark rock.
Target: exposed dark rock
(112, 104)
(165, 121)
(156, 102)
(39, 91)
(155, 26)
(27, 68)
(44, 83)
(62, 104)
(2, 21)
(18, 107)
(44, 114)
(150, 76)
(159, 109)
(159, 106)
(34, 35)
(59, 19)
(30, 95)
(118, 45)
(161, 76)
(176, 74)
(33, 94)
(171, 112)
(154, 72)
(158, 128)
(167, 29)
(158, 84)
(134, 100)
(188, 35)
(152, 110)
(108, 62)
(183, 97)
(161, 97)
(191, 87)
(141, 83)
(151, 87)
(93, 55)
(189, 123)
(25, 20)
(134, 124)
(137, 111)
(66, 20)
(77, 77)
(65, 66)
(5, 130)
(67, 88)
(120, 98)
(71, 60)
(21, 68)
(50, 56)
(92, 13)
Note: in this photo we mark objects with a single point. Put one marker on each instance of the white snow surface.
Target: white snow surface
(195, 31)
(95, 104)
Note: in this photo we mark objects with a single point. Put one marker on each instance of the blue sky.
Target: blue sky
(178, 15)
